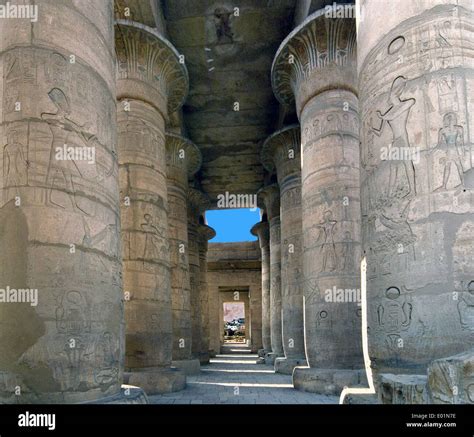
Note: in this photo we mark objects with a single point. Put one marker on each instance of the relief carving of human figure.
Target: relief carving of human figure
(328, 247)
(451, 142)
(396, 116)
(15, 164)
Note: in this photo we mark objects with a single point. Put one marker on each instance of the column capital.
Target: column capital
(198, 202)
(319, 43)
(270, 196)
(182, 155)
(281, 152)
(262, 231)
(149, 68)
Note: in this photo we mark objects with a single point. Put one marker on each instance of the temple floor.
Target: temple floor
(235, 378)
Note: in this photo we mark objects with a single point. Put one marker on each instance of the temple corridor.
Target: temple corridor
(233, 377)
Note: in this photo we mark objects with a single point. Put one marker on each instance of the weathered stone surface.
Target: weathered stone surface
(402, 389)
(261, 230)
(158, 381)
(270, 196)
(205, 233)
(59, 217)
(416, 83)
(451, 379)
(197, 204)
(183, 160)
(144, 208)
(327, 381)
(129, 395)
(315, 66)
(281, 153)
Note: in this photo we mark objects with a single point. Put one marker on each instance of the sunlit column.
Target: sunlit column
(315, 67)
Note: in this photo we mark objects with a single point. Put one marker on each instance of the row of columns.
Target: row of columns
(338, 200)
(113, 247)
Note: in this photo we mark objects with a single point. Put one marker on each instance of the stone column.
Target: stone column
(261, 230)
(61, 341)
(143, 106)
(206, 233)
(198, 202)
(270, 196)
(255, 307)
(281, 153)
(183, 161)
(315, 66)
(416, 88)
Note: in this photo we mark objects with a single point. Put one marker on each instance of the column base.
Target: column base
(327, 381)
(189, 367)
(129, 395)
(286, 365)
(157, 381)
(204, 358)
(271, 357)
(212, 353)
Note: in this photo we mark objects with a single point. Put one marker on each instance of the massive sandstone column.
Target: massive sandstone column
(315, 66)
(281, 153)
(59, 215)
(261, 230)
(183, 161)
(206, 233)
(151, 83)
(270, 196)
(416, 88)
(198, 202)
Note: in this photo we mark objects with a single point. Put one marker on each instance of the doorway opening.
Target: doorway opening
(234, 322)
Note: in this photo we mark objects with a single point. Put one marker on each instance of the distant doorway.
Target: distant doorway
(234, 322)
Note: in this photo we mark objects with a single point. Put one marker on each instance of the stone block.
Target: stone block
(157, 381)
(402, 389)
(189, 367)
(451, 379)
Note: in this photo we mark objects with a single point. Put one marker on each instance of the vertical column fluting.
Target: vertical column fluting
(198, 202)
(206, 233)
(60, 340)
(416, 87)
(270, 196)
(183, 161)
(261, 230)
(151, 83)
(316, 67)
(281, 153)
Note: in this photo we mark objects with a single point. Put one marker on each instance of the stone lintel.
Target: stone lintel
(149, 68)
(318, 55)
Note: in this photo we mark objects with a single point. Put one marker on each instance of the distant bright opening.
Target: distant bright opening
(232, 225)
(234, 322)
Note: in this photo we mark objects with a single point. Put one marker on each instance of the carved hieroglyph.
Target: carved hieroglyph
(183, 160)
(315, 67)
(281, 153)
(270, 196)
(416, 84)
(261, 230)
(59, 218)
